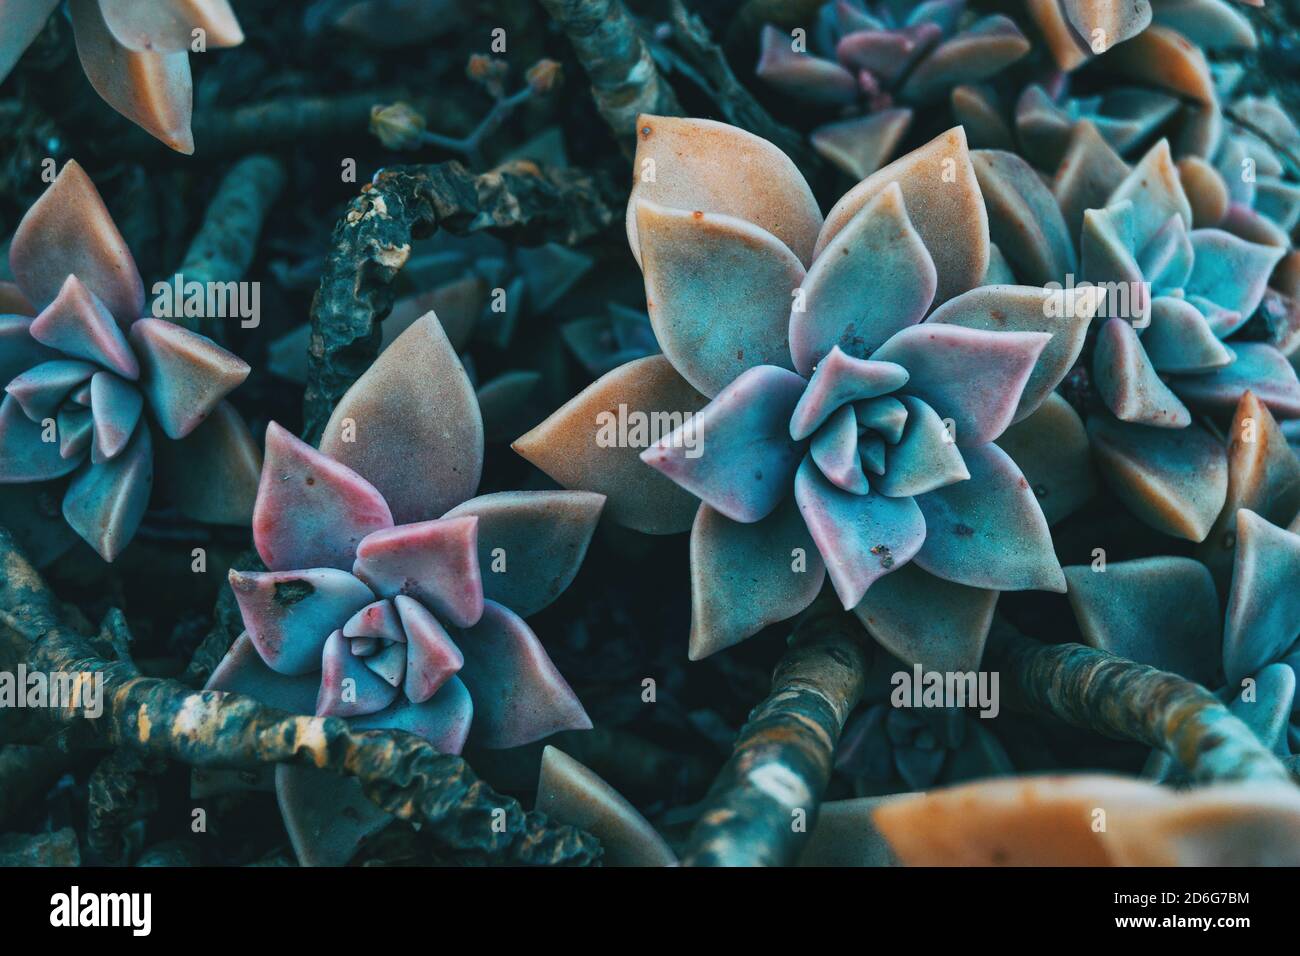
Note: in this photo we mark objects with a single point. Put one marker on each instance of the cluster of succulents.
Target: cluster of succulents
(1060, 297)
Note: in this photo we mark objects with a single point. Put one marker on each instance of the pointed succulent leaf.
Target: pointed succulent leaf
(676, 166)
(1180, 339)
(983, 49)
(543, 536)
(861, 537)
(168, 27)
(79, 325)
(989, 532)
(1117, 21)
(1263, 475)
(242, 671)
(1263, 617)
(972, 376)
(1259, 368)
(1163, 58)
(922, 619)
(435, 562)
(979, 110)
(1206, 191)
(1107, 259)
(886, 416)
(1268, 710)
(411, 426)
(104, 503)
(520, 696)
(378, 620)
(212, 474)
(580, 445)
(1065, 314)
(311, 511)
(116, 406)
(1210, 24)
(834, 450)
(877, 250)
(746, 576)
(288, 615)
(569, 793)
(1174, 479)
(736, 454)
(1086, 175)
(1156, 193)
(1167, 260)
(68, 231)
(152, 90)
(838, 379)
(944, 204)
(886, 54)
(1051, 448)
(348, 686)
(802, 75)
(718, 290)
(18, 350)
(1128, 382)
(25, 456)
(1159, 611)
(41, 391)
(1024, 218)
(432, 657)
(925, 457)
(860, 146)
(76, 427)
(183, 374)
(1229, 271)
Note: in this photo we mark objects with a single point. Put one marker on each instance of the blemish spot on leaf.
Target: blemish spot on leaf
(289, 593)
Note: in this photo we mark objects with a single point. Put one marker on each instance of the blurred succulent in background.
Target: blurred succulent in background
(91, 385)
(604, 342)
(886, 749)
(393, 597)
(1092, 819)
(798, 357)
(136, 54)
(877, 55)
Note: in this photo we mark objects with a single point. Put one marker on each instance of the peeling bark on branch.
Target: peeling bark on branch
(624, 78)
(372, 241)
(764, 803)
(1098, 691)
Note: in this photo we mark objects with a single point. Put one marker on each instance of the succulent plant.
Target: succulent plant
(884, 745)
(878, 54)
(135, 54)
(393, 597)
(819, 417)
(92, 387)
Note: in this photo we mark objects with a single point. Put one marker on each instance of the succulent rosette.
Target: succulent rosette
(136, 53)
(1176, 348)
(828, 421)
(92, 389)
(879, 53)
(394, 598)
